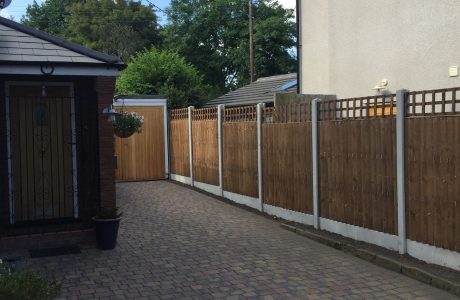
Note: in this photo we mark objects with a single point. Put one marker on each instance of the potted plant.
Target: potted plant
(106, 225)
(127, 123)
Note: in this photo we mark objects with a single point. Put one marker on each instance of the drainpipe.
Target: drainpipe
(299, 44)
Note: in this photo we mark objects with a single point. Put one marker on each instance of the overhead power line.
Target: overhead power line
(156, 6)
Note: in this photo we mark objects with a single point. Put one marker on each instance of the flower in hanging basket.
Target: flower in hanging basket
(127, 123)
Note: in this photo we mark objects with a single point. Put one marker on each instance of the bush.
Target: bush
(166, 73)
(26, 285)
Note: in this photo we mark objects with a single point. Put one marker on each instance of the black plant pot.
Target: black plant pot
(106, 232)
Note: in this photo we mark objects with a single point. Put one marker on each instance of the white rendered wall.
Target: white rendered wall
(349, 46)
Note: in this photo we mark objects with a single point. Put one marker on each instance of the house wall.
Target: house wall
(96, 169)
(349, 46)
(3, 163)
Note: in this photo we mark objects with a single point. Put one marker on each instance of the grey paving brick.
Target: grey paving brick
(175, 243)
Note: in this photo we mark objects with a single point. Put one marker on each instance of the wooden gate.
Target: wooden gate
(143, 156)
(41, 151)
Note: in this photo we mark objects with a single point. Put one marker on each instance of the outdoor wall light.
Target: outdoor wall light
(110, 113)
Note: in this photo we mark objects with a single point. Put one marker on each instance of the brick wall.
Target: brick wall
(4, 207)
(104, 87)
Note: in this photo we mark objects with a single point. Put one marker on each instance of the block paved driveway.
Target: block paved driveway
(176, 243)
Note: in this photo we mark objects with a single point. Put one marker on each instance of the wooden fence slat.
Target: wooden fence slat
(456, 186)
(432, 190)
(353, 172)
(287, 167)
(179, 147)
(240, 158)
(205, 151)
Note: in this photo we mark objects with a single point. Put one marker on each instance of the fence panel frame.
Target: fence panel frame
(220, 110)
(190, 142)
(315, 161)
(400, 164)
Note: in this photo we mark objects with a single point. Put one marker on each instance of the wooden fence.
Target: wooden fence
(357, 146)
(357, 164)
(239, 142)
(433, 168)
(205, 148)
(287, 157)
(179, 156)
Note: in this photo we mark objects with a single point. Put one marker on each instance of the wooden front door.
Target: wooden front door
(41, 148)
(142, 156)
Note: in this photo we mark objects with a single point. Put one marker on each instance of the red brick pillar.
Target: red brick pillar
(4, 193)
(105, 87)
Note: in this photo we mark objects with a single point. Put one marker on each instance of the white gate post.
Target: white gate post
(190, 142)
(314, 154)
(260, 107)
(400, 169)
(220, 110)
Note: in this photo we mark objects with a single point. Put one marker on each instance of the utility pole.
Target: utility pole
(251, 44)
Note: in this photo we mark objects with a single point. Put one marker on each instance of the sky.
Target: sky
(17, 8)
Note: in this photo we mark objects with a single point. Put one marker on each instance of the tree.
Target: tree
(163, 72)
(96, 24)
(274, 37)
(48, 16)
(213, 36)
(120, 27)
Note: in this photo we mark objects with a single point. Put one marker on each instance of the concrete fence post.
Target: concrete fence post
(314, 154)
(400, 169)
(220, 110)
(190, 142)
(260, 107)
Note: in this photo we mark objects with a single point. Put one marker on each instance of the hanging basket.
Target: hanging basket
(127, 123)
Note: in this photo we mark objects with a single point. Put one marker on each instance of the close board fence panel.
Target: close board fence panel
(383, 165)
(205, 146)
(239, 147)
(432, 140)
(357, 167)
(287, 175)
(179, 142)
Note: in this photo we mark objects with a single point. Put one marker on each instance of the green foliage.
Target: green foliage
(109, 213)
(127, 123)
(48, 16)
(274, 36)
(213, 36)
(120, 27)
(156, 72)
(27, 285)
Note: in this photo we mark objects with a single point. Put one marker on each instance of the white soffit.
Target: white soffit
(59, 70)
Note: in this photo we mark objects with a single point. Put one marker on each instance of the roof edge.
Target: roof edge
(119, 67)
(141, 97)
(109, 59)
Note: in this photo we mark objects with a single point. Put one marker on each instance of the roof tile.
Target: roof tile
(260, 91)
(19, 43)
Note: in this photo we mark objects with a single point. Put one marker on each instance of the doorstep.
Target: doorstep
(19, 244)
